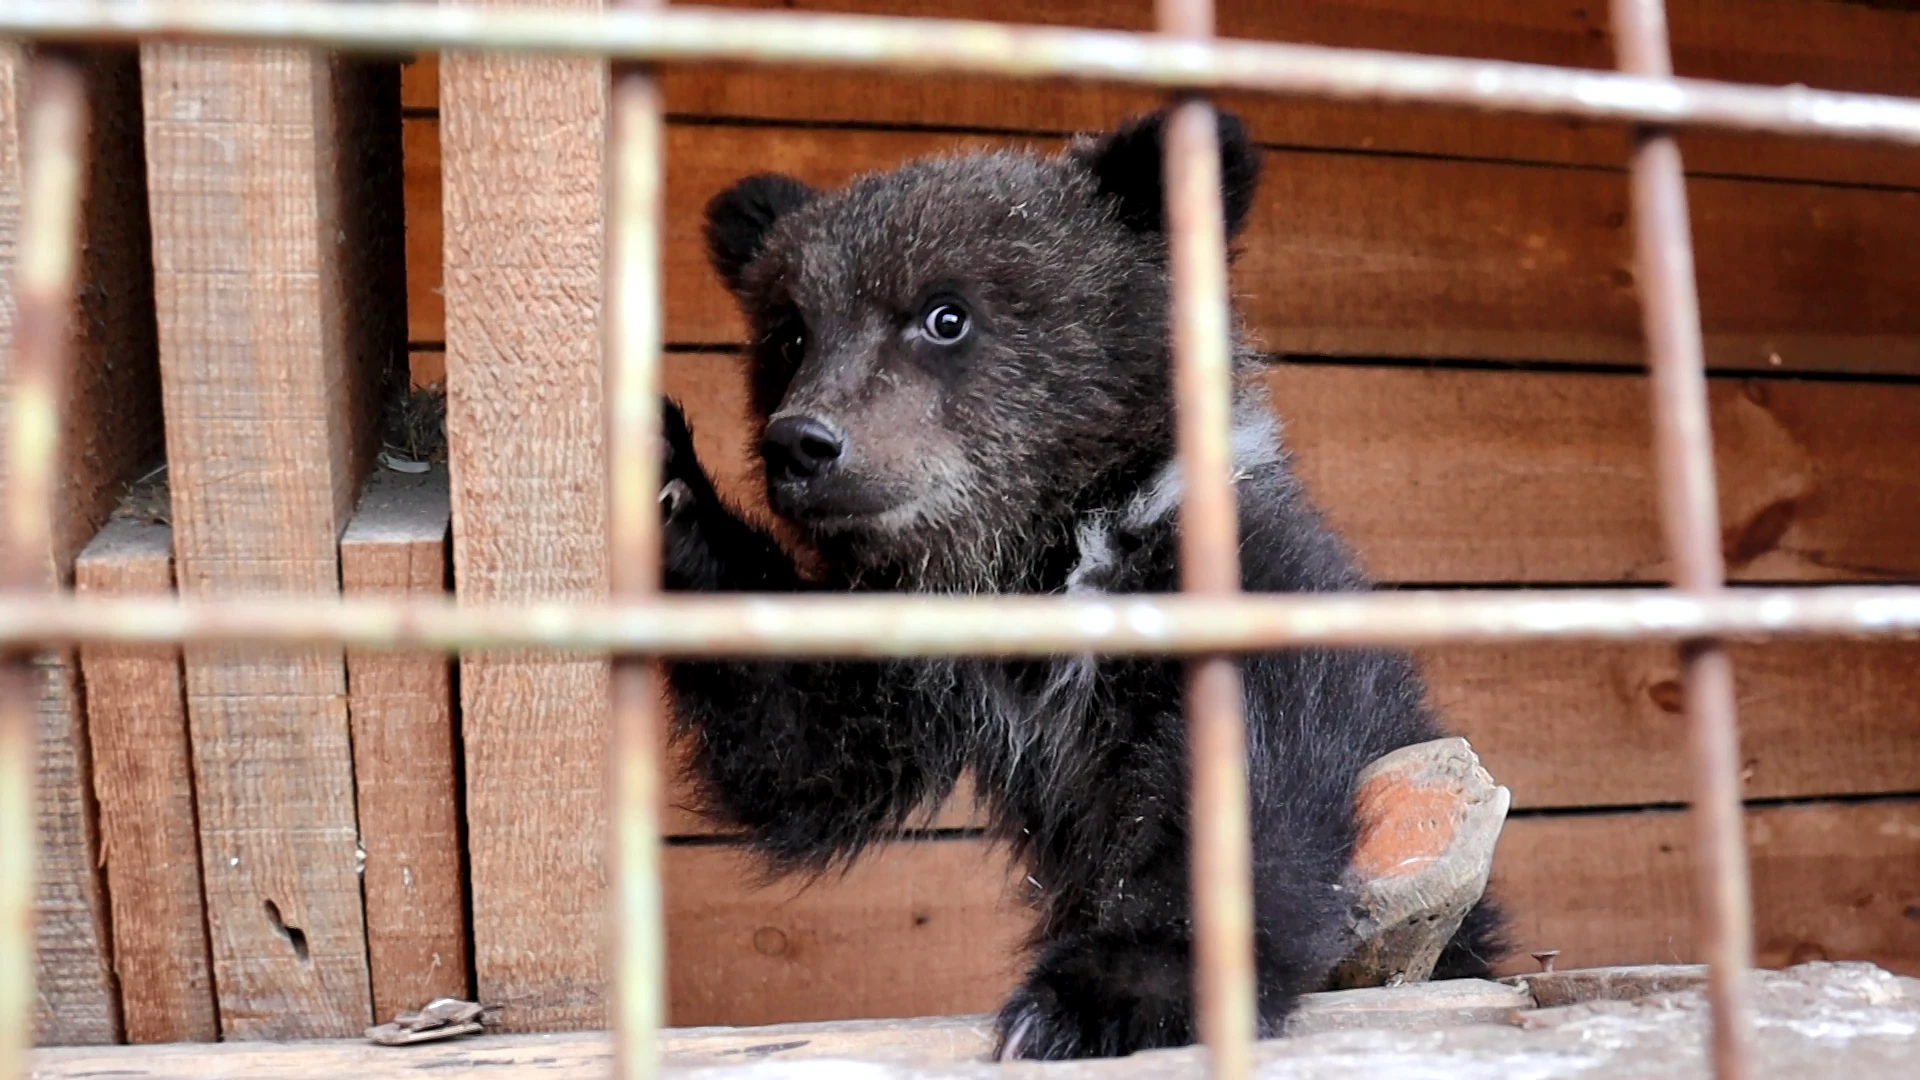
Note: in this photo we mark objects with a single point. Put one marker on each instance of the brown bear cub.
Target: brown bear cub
(960, 381)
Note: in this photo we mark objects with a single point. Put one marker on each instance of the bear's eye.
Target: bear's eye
(789, 336)
(946, 323)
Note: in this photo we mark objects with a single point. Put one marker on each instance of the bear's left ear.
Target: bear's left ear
(1127, 165)
(739, 217)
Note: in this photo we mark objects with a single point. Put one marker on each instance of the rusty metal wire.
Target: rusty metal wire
(1225, 1001)
(932, 46)
(1683, 453)
(681, 625)
(637, 151)
(53, 136)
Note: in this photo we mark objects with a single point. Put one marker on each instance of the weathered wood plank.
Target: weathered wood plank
(143, 776)
(276, 214)
(1769, 42)
(523, 140)
(1355, 255)
(114, 372)
(1493, 477)
(405, 753)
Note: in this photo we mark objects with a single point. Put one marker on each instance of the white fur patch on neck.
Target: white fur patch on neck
(1253, 444)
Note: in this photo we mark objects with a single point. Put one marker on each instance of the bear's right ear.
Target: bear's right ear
(1127, 165)
(739, 217)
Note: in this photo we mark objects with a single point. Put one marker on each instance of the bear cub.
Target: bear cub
(960, 384)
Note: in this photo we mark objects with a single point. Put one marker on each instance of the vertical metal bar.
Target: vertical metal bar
(53, 134)
(1222, 872)
(633, 321)
(1683, 449)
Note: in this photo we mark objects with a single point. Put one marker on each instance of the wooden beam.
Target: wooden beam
(111, 426)
(1359, 256)
(405, 753)
(276, 210)
(523, 140)
(143, 776)
(1768, 42)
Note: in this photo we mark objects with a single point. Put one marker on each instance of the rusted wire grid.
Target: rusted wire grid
(1221, 871)
(683, 625)
(948, 46)
(53, 157)
(633, 322)
(1689, 512)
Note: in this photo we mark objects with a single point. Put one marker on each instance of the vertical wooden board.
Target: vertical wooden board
(143, 776)
(925, 928)
(405, 753)
(112, 423)
(276, 210)
(523, 139)
(1830, 881)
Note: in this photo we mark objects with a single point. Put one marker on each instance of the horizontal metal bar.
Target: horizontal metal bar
(929, 46)
(902, 625)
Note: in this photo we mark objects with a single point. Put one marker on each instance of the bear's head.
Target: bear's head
(953, 359)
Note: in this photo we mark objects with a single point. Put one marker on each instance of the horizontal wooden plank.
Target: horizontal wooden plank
(1351, 255)
(1490, 477)
(919, 929)
(1768, 42)
(931, 927)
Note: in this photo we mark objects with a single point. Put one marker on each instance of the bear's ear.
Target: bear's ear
(1126, 163)
(739, 217)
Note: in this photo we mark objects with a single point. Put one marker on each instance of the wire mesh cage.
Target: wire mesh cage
(1208, 624)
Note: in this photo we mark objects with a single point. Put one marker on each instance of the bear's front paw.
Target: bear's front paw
(1033, 1026)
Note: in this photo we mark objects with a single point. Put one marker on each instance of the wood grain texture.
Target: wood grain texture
(143, 777)
(405, 754)
(1357, 255)
(113, 371)
(1768, 42)
(523, 141)
(919, 929)
(276, 206)
(1830, 881)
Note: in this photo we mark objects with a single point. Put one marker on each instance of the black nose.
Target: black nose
(800, 447)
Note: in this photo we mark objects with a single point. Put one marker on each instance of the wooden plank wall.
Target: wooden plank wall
(1454, 297)
(1450, 304)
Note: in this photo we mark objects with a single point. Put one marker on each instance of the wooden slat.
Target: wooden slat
(276, 208)
(114, 373)
(1832, 880)
(920, 929)
(143, 776)
(1353, 255)
(405, 768)
(1443, 476)
(1488, 476)
(523, 140)
(1768, 42)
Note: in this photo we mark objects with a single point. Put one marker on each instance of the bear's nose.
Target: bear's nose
(800, 447)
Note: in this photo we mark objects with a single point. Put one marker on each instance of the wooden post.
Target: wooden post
(405, 754)
(113, 426)
(276, 199)
(523, 141)
(143, 776)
